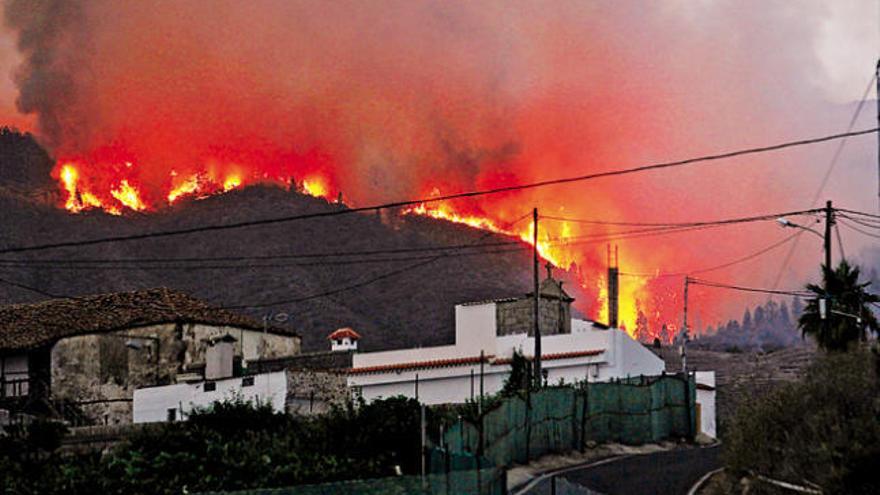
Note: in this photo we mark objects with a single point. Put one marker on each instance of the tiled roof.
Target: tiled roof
(447, 363)
(558, 355)
(436, 363)
(27, 326)
(343, 333)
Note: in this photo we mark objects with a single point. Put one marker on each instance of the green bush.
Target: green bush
(823, 430)
(232, 445)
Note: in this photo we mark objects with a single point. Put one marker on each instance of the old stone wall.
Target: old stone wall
(517, 317)
(99, 373)
(315, 392)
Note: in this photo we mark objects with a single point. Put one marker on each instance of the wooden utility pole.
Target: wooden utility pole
(829, 221)
(684, 330)
(537, 289)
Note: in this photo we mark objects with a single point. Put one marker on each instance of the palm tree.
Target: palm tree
(846, 295)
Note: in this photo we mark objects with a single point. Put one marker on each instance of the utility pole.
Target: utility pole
(537, 289)
(684, 330)
(829, 221)
(877, 79)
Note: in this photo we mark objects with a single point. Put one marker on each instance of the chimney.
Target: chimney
(613, 288)
(219, 357)
(344, 339)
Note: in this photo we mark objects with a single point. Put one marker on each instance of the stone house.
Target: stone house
(82, 358)
(308, 383)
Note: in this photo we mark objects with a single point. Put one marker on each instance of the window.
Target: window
(247, 381)
(172, 415)
(210, 386)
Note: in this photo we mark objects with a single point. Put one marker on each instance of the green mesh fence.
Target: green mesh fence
(451, 474)
(560, 419)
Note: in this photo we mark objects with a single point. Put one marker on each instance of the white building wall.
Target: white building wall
(633, 359)
(475, 331)
(475, 328)
(152, 404)
(706, 400)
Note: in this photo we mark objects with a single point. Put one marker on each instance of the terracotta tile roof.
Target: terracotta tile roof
(27, 326)
(437, 363)
(557, 355)
(447, 363)
(344, 332)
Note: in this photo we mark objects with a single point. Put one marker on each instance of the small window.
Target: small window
(210, 386)
(247, 381)
(172, 415)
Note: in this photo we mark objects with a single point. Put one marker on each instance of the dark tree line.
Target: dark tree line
(766, 327)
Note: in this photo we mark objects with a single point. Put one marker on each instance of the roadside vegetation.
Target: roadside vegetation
(233, 445)
(822, 433)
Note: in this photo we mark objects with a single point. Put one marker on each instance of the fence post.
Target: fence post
(687, 406)
(586, 410)
(528, 420)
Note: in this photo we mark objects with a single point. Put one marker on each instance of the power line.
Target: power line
(86, 267)
(707, 283)
(755, 218)
(360, 284)
(831, 166)
(863, 232)
(469, 194)
(602, 237)
(839, 241)
(331, 254)
(29, 288)
(856, 212)
(718, 267)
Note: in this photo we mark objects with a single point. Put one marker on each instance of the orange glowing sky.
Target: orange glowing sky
(390, 100)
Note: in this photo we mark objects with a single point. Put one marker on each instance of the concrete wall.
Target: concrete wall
(706, 401)
(152, 404)
(100, 372)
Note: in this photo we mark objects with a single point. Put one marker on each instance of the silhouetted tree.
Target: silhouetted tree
(848, 299)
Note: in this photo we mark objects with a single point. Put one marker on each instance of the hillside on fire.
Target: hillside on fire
(404, 310)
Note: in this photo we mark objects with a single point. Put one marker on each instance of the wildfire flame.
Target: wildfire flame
(555, 242)
(125, 193)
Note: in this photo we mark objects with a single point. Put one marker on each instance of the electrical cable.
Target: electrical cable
(434, 199)
(708, 283)
(716, 267)
(357, 285)
(853, 227)
(831, 166)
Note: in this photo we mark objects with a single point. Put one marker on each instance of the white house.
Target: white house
(706, 403)
(486, 336)
(175, 402)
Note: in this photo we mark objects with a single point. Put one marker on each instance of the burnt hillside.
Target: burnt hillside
(412, 308)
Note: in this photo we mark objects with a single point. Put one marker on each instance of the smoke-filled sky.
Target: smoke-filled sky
(395, 99)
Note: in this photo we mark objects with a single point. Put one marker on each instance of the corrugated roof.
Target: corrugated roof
(27, 326)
